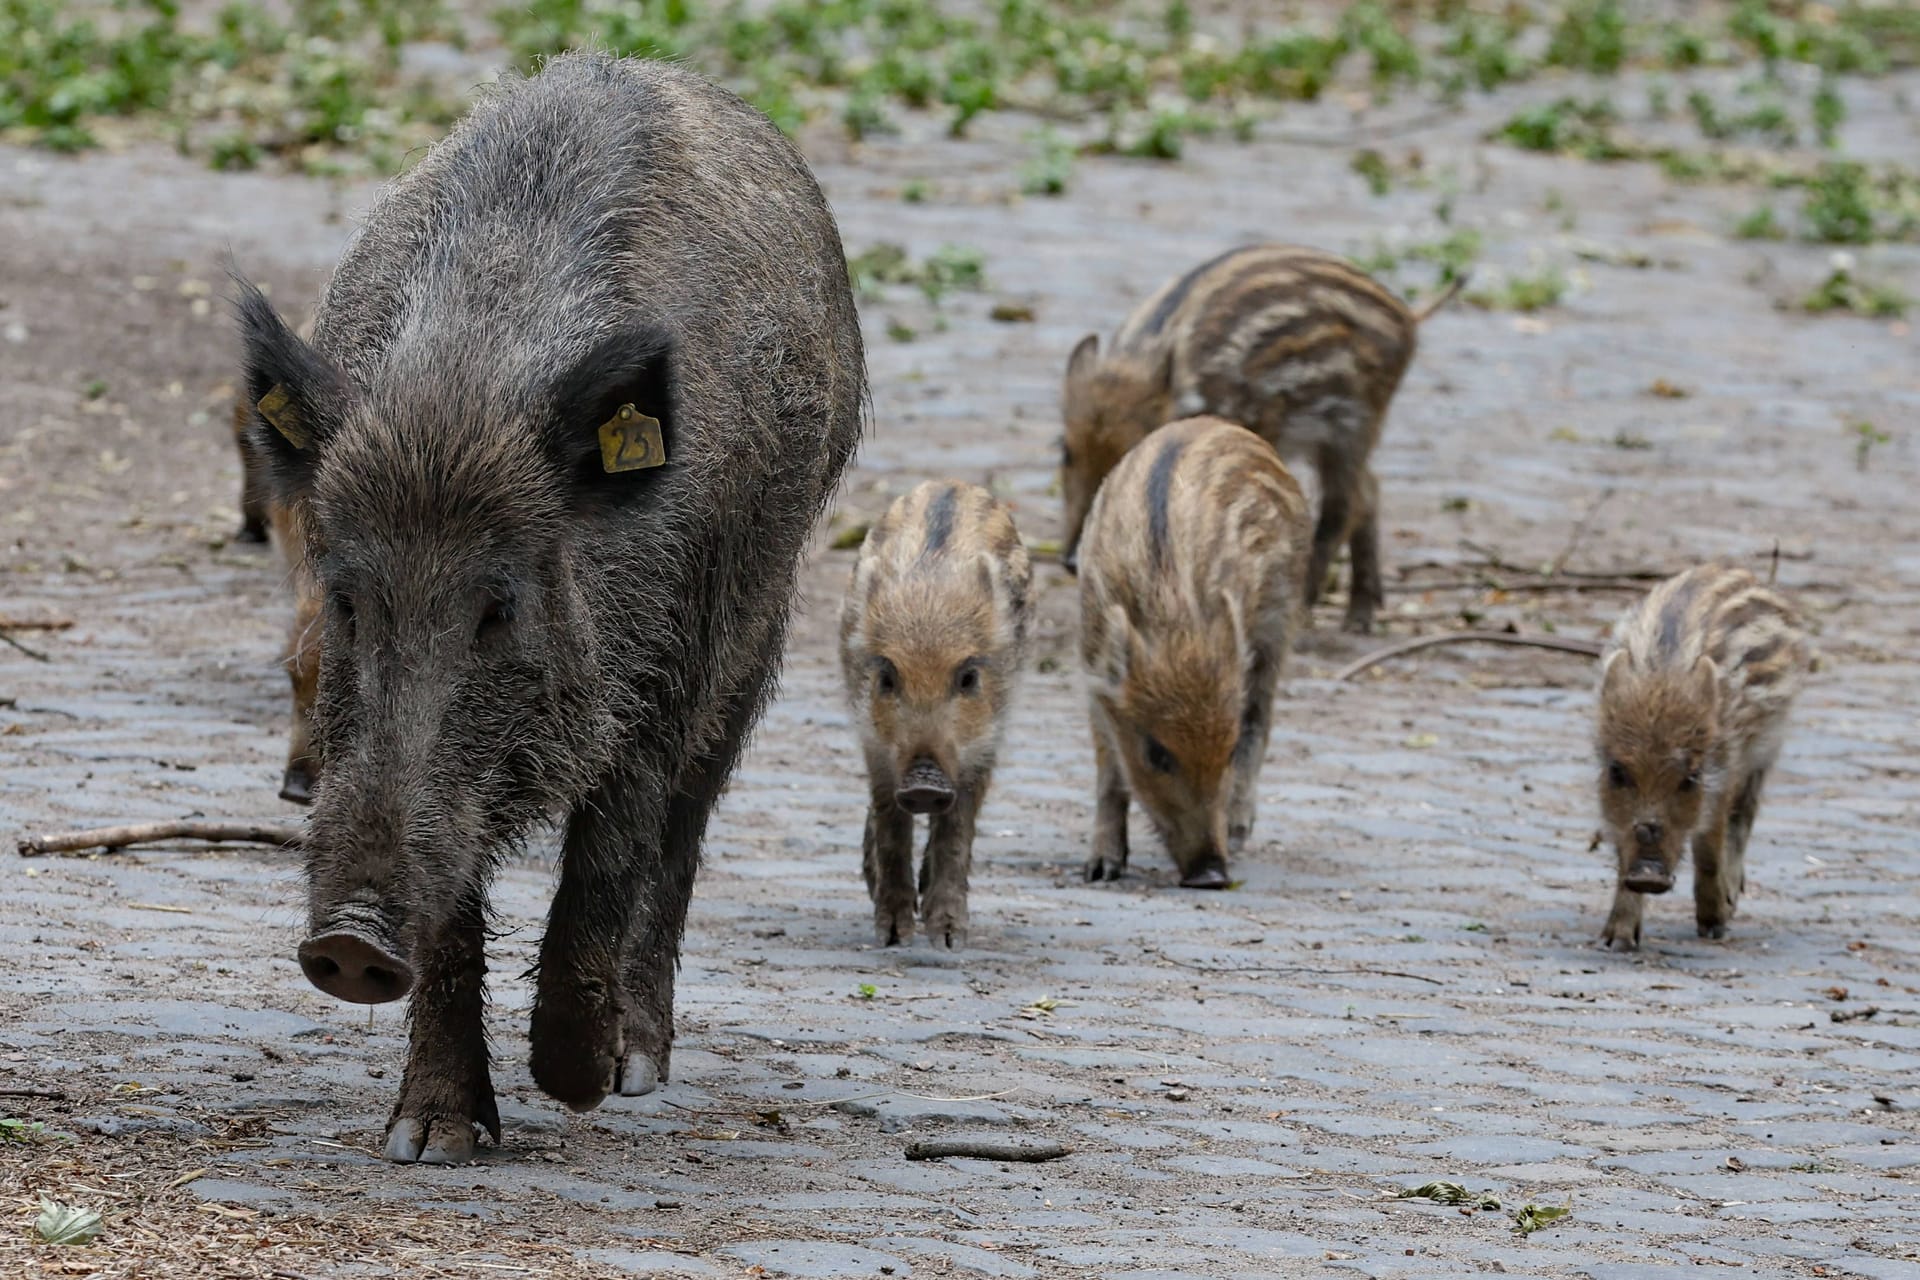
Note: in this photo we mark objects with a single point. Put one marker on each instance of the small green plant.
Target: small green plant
(1372, 166)
(866, 991)
(864, 115)
(1535, 291)
(1842, 290)
(1839, 205)
(1591, 36)
(1829, 112)
(1761, 224)
(1051, 168)
(1569, 127)
(1865, 436)
(914, 191)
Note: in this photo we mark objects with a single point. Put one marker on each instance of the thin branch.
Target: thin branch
(35, 654)
(40, 624)
(1560, 644)
(1002, 1149)
(32, 1091)
(1566, 582)
(1295, 968)
(112, 838)
(1578, 532)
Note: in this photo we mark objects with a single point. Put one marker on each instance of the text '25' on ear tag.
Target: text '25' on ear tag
(277, 408)
(630, 441)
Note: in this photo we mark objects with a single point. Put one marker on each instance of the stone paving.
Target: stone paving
(1404, 987)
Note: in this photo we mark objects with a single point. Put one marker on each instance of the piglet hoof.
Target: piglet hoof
(1714, 931)
(1100, 868)
(1358, 622)
(637, 1076)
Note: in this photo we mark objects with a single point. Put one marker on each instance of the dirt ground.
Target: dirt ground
(1403, 988)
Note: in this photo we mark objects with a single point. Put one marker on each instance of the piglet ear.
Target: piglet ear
(1704, 684)
(613, 413)
(1614, 673)
(1085, 357)
(298, 397)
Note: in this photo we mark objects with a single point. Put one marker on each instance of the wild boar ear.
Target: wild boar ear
(613, 412)
(298, 396)
(1083, 361)
(1239, 621)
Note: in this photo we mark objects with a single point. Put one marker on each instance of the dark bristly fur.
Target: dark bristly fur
(1185, 627)
(511, 634)
(1298, 346)
(1697, 682)
(933, 637)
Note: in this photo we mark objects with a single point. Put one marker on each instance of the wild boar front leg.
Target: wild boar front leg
(1746, 807)
(1108, 859)
(447, 1088)
(1714, 891)
(614, 846)
(1622, 931)
(1250, 753)
(1366, 592)
(887, 862)
(660, 915)
(945, 870)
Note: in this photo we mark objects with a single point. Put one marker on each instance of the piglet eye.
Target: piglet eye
(967, 678)
(886, 679)
(1617, 774)
(1159, 759)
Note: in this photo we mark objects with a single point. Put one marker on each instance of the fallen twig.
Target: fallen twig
(112, 838)
(1295, 968)
(35, 624)
(1578, 532)
(35, 654)
(1492, 559)
(1565, 582)
(32, 1091)
(985, 1149)
(1590, 648)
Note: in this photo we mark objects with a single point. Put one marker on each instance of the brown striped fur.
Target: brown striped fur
(1698, 679)
(1300, 347)
(933, 636)
(1189, 596)
(258, 513)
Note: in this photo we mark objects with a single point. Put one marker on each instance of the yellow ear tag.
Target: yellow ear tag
(277, 408)
(630, 441)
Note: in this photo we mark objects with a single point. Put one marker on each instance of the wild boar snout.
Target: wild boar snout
(925, 788)
(356, 956)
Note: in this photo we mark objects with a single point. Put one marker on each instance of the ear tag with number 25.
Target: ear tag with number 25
(630, 441)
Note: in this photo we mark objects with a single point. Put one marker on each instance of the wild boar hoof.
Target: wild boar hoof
(437, 1140)
(946, 925)
(1210, 875)
(1099, 868)
(1715, 931)
(296, 785)
(637, 1076)
(1358, 622)
(893, 925)
(577, 1049)
(1617, 938)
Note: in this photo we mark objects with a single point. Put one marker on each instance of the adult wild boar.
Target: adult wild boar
(575, 399)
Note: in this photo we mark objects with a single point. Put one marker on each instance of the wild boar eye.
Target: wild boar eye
(494, 619)
(342, 605)
(1691, 781)
(966, 679)
(1159, 759)
(1617, 774)
(886, 679)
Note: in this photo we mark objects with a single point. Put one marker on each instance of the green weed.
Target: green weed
(1591, 36)
(1051, 168)
(1843, 290)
